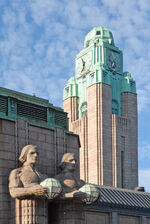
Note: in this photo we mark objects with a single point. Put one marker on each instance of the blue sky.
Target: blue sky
(39, 40)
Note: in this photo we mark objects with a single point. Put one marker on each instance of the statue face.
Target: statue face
(32, 156)
(70, 163)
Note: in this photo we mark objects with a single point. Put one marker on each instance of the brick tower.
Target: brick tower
(101, 103)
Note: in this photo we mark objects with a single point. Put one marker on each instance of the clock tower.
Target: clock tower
(101, 103)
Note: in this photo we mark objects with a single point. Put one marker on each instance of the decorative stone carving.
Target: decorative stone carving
(25, 181)
(31, 211)
(72, 186)
(70, 183)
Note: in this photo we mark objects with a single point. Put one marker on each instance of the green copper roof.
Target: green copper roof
(100, 61)
(35, 110)
(99, 33)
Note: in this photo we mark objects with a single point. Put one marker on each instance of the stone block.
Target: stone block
(7, 155)
(4, 138)
(8, 127)
(72, 141)
(7, 163)
(21, 124)
(59, 133)
(21, 133)
(50, 138)
(46, 131)
(41, 137)
(46, 146)
(33, 135)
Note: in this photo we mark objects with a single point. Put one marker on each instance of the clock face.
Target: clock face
(113, 60)
(83, 63)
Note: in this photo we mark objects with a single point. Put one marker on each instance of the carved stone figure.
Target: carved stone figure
(25, 181)
(70, 183)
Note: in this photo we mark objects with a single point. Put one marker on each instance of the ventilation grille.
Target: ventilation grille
(3, 104)
(31, 111)
(60, 119)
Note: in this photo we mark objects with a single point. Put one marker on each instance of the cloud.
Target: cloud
(144, 150)
(40, 40)
(143, 98)
(144, 179)
(44, 12)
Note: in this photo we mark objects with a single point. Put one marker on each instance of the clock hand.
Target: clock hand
(83, 64)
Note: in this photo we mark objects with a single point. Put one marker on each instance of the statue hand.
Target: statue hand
(79, 195)
(38, 190)
(76, 194)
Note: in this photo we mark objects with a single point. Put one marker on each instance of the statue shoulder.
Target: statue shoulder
(15, 172)
(14, 179)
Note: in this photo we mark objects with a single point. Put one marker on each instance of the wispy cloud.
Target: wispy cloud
(144, 150)
(144, 179)
(144, 165)
(40, 39)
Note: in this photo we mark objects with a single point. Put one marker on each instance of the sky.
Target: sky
(39, 40)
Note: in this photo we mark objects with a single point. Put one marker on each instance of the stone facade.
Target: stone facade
(52, 144)
(72, 212)
(108, 153)
(114, 218)
(101, 103)
(33, 211)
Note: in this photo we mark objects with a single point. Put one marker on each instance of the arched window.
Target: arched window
(84, 109)
(67, 91)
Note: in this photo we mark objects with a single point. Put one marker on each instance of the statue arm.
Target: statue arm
(76, 194)
(17, 190)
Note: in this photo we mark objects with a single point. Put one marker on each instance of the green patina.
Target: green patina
(100, 61)
(34, 110)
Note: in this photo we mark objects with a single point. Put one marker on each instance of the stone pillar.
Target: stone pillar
(114, 218)
(66, 211)
(31, 211)
(143, 220)
(70, 105)
(100, 134)
(129, 111)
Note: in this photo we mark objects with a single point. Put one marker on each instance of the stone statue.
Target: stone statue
(70, 183)
(25, 181)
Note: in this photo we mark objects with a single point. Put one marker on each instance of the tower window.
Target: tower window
(98, 32)
(67, 91)
(84, 109)
(91, 79)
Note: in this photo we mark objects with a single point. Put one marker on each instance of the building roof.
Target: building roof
(123, 198)
(101, 33)
(35, 110)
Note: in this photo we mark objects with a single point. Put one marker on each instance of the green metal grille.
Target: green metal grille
(3, 104)
(60, 119)
(31, 111)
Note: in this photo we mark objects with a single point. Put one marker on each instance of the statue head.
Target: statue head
(29, 154)
(68, 162)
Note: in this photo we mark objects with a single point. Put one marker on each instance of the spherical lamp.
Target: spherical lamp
(54, 187)
(92, 193)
